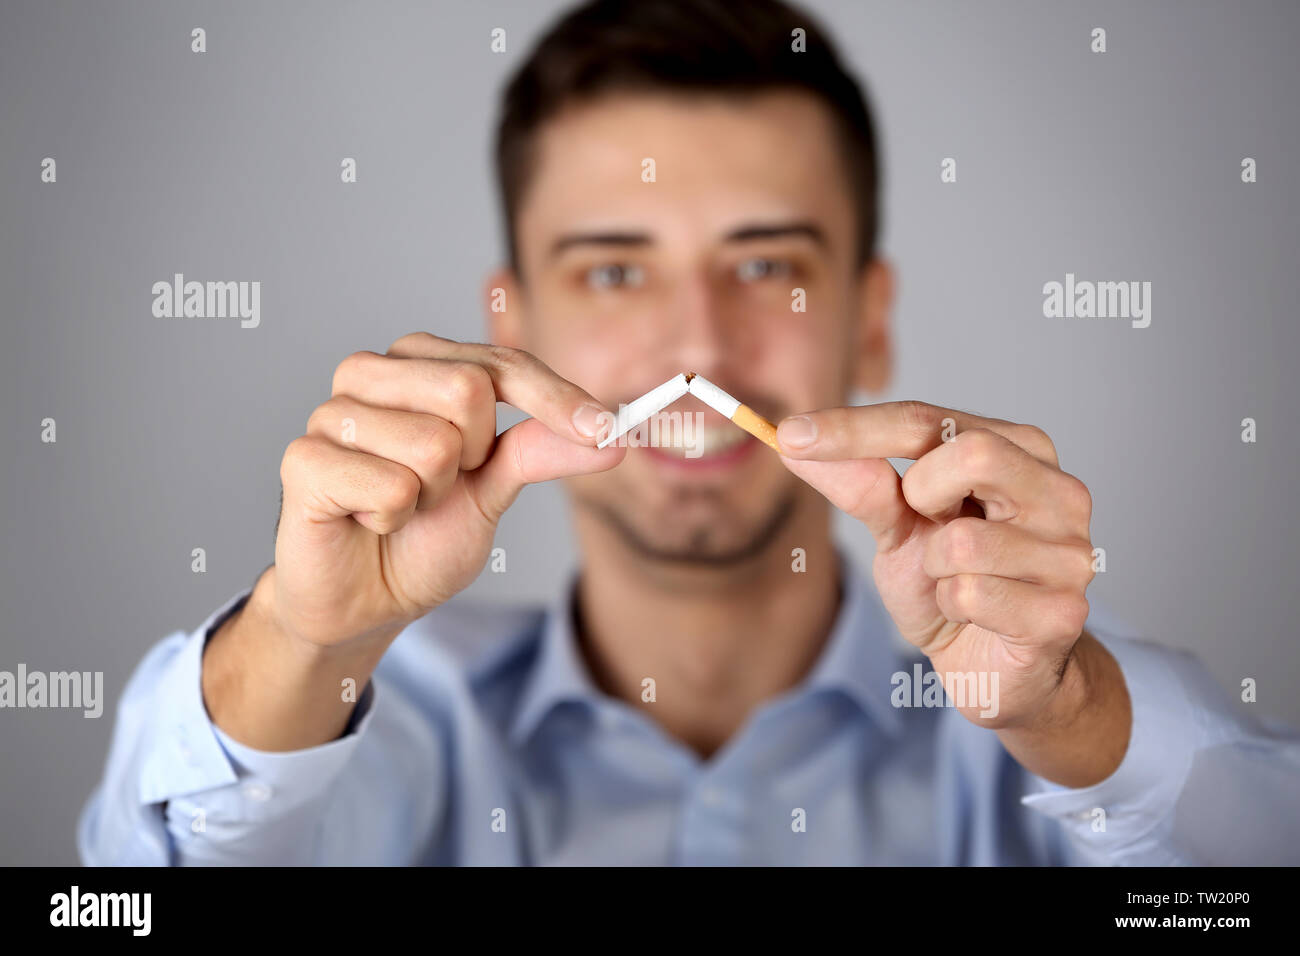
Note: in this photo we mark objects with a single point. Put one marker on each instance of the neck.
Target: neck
(716, 640)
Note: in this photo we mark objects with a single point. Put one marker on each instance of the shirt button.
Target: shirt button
(258, 791)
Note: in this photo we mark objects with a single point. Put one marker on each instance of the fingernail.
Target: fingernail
(797, 432)
(590, 420)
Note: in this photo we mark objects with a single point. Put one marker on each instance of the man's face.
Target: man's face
(626, 283)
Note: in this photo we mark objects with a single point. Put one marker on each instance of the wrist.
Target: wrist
(1073, 695)
(270, 690)
(299, 644)
(1080, 735)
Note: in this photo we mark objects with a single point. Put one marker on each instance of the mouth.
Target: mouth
(720, 459)
(690, 435)
(706, 442)
(712, 446)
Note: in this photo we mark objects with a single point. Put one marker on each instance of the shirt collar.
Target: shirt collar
(858, 659)
(860, 656)
(558, 673)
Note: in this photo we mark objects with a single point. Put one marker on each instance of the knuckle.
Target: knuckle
(507, 358)
(320, 418)
(437, 451)
(977, 450)
(911, 483)
(979, 590)
(920, 419)
(1073, 612)
(413, 342)
(469, 384)
(965, 593)
(385, 522)
(351, 369)
(327, 413)
(299, 457)
(1035, 441)
(1085, 562)
(1077, 498)
(965, 539)
(399, 490)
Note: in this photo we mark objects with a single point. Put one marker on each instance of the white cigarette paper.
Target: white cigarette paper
(653, 401)
(657, 399)
(714, 397)
(741, 414)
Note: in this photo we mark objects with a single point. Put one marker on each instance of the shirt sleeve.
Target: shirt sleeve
(1202, 782)
(177, 790)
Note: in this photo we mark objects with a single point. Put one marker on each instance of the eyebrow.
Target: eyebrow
(777, 231)
(747, 233)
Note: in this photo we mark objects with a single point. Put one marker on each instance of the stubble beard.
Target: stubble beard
(700, 547)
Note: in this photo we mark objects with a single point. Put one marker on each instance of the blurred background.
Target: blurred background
(1117, 166)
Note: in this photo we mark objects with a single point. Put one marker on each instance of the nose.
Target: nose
(699, 340)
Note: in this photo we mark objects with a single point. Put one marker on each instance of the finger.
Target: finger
(1004, 479)
(529, 453)
(323, 482)
(867, 489)
(1024, 612)
(428, 445)
(895, 430)
(521, 379)
(976, 546)
(459, 392)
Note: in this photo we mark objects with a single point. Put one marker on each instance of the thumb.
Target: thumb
(868, 489)
(528, 453)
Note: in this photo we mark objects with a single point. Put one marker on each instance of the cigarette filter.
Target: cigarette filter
(725, 405)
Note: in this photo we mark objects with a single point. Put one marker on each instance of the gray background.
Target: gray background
(225, 165)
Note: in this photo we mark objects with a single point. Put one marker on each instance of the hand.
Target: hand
(392, 497)
(983, 549)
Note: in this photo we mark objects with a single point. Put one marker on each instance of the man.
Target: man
(718, 685)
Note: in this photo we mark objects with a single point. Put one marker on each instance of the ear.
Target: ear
(874, 345)
(503, 303)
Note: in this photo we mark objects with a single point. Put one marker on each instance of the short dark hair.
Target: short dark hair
(693, 45)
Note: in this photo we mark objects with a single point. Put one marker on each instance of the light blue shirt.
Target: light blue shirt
(482, 739)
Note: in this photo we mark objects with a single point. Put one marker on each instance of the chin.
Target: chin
(695, 529)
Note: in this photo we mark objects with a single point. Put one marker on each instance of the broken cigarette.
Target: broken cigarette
(657, 399)
(652, 402)
(732, 408)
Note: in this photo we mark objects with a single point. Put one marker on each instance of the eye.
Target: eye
(614, 276)
(753, 269)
